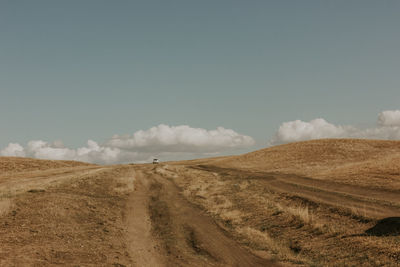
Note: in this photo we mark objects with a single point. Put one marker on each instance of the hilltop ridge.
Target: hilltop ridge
(9, 165)
(372, 162)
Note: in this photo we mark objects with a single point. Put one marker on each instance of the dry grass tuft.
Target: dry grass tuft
(299, 212)
(5, 206)
(125, 184)
(263, 241)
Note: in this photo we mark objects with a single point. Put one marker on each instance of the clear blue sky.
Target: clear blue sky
(78, 70)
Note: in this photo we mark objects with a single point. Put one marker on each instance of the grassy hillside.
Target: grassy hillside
(9, 165)
(374, 163)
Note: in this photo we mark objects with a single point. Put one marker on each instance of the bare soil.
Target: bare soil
(190, 237)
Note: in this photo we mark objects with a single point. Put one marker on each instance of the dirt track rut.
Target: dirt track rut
(368, 202)
(184, 235)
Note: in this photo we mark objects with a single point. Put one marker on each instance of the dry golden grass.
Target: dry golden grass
(300, 212)
(65, 215)
(263, 242)
(307, 203)
(290, 229)
(354, 161)
(11, 165)
(18, 175)
(5, 206)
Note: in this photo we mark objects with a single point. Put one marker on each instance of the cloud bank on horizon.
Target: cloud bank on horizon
(183, 141)
(388, 128)
(160, 141)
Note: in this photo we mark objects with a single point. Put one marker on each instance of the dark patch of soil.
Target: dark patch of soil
(385, 227)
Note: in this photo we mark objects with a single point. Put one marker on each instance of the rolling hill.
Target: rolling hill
(331, 202)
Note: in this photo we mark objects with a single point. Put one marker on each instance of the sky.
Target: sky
(184, 79)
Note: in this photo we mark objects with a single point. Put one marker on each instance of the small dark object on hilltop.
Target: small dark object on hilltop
(36, 191)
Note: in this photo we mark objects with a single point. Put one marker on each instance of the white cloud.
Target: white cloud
(389, 118)
(299, 130)
(164, 138)
(56, 151)
(13, 150)
(162, 141)
(388, 128)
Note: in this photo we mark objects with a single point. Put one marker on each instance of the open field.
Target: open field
(63, 215)
(315, 203)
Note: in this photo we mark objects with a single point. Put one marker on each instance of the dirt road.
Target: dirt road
(143, 247)
(183, 234)
(108, 216)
